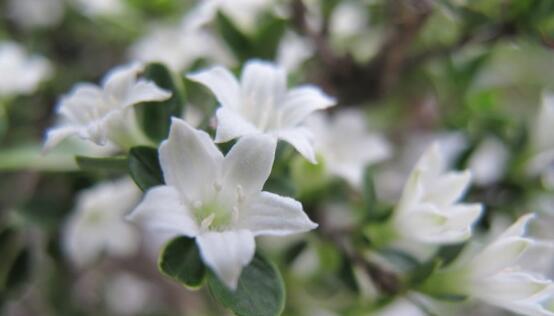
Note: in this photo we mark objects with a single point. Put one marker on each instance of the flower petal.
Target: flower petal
(508, 286)
(263, 84)
(499, 255)
(301, 139)
(190, 160)
(271, 214)
(222, 83)
(226, 253)
(302, 101)
(162, 210)
(518, 228)
(448, 188)
(249, 163)
(118, 81)
(231, 125)
(145, 91)
(56, 135)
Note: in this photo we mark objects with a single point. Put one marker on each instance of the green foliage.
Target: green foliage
(180, 260)
(260, 291)
(262, 44)
(156, 116)
(144, 167)
(110, 164)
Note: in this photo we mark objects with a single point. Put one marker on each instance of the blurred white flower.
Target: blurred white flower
(495, 275)
(181, 45)
(260, 103)
(105, 114)
(428, 211)
(127, 294)
(346, 145)
(36, 13)
(219, 200)
(488, 161)
(244, 13)
(542, 142)
(100, 7)
(400, 307)
(97, 226)
(19, 72)
(293, 50)
(349, 18)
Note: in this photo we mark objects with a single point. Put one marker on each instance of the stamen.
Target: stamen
(207, 222)
(235, 213)
(240, 194)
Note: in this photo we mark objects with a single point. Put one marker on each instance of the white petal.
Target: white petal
(431, 163)
(226, 253)
(271, 214)
(222, 83)
(448, 188)
(162, 210)
(518, 228)
(499, 255)
(249, 163)
(301, 139)
(302, 101)
(190, 160)
(231, 125)
(118, 81)
(145, 91)
(56, 135)
(508, 286)
(263, 84)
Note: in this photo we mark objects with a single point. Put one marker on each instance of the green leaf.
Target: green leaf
(260, 291)
(144, 167)
(448, 253)
(180, 260)
(268, 37)
(112, 164)
(156, 116)
(239, 43)
(374, 210)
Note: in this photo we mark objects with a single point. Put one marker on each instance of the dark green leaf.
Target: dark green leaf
(110, 164)
(268, 38)
(449, 253)
(374, 210)
(424, 271)
(156, 116)
(180, 260)
(260, 291)
(20, 270)
(239, 43)
(144, 167)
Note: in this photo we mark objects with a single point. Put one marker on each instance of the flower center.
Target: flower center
(212, 215)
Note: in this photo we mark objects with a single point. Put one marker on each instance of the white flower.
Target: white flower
(100, 7)
(244, 13)
(97, 223)
(260, 103)
(293, 50)
(219, 200)
(428, 211)
(36, 13)
(105, 114)
(488, 162)
(127, 294)
(346, 145)
(19, 72)
(495, 276)
(400, 307)
(181, 45)
(542, 142)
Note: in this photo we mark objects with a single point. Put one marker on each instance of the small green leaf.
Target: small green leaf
(112, 164)
(268, 37)
(260, 291)
(180, 260)
(448, 253)
(239, 43)
(156, 116)
(423, 271)
(144, 167)
(375, 212)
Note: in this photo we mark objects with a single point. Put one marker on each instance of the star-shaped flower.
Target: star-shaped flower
(428, 211)
(219, 200)
(105, 114)
(261, 103)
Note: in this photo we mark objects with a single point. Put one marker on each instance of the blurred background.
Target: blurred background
(469, 74)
